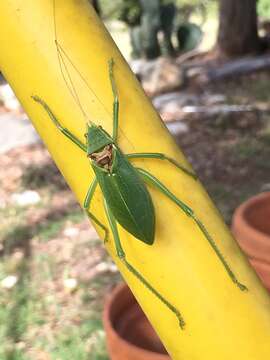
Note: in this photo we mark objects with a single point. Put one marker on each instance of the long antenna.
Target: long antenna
(63, 59)
(63, 66)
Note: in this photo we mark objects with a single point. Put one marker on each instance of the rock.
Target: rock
(71, 284)
(214, 99)
(26, 198)
(158, 76)
(177, 98)
(9, 282)
(16, 130)
(177, 127)
(106, 266)
(8, 98)
(170, 106)
(71, 232)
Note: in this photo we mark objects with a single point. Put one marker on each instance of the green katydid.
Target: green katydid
(127, 200)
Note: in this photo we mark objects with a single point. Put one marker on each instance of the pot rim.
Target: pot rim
(239, 218)
(109, 326)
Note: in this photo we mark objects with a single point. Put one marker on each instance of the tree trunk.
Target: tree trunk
(238, 30)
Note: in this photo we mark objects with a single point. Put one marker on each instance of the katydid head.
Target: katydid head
(99, 146)
(96, 139)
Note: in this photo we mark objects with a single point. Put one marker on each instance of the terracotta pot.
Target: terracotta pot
(130, 336)
(251, 227)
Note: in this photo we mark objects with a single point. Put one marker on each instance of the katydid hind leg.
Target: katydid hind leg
(121, 255)
(189, 212)
(56, 122)
(115, 101)
(87, 204)
(161, 156)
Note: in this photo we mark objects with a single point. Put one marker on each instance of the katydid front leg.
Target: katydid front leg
(87, 204)
(115, 102)
(189, 212)
(122, 256)
(63, 130)
(83, 147)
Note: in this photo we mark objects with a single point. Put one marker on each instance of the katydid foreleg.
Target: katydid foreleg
(189, 212)
(77, 142)
(115, 102)
(86, 205)
(122, 256)
(54, 119)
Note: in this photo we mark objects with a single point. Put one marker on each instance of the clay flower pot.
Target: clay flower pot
(128, 332)
(251, 227)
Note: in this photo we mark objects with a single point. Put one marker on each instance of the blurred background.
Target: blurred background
(206, 67)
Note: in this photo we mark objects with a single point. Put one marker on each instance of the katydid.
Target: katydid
(127, 200)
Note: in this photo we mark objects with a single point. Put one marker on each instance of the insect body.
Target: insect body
(126, 198)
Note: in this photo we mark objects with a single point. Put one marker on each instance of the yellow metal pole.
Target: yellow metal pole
(222, 322)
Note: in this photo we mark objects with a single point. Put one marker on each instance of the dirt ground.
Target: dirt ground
(231, 152)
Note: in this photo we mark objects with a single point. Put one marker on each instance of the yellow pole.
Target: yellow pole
(222, 322)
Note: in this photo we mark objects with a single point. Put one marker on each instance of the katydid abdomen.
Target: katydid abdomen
(127, 197)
